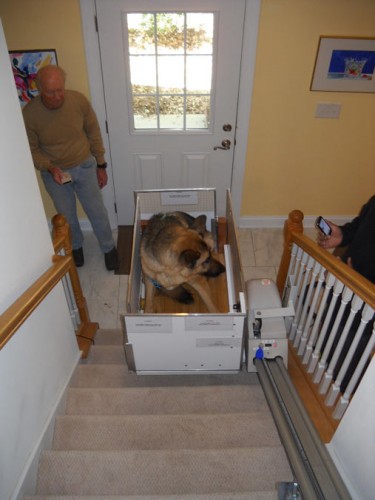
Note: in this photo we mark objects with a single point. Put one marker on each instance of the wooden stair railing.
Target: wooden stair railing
(314, 402)
(16, 314)
(62, 241)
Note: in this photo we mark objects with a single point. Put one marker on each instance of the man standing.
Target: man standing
(67, 148)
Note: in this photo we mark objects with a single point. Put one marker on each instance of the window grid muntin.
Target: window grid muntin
(185, 95)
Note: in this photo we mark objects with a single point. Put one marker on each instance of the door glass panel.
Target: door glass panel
(146, 115)
(171, 112)
(170, 63)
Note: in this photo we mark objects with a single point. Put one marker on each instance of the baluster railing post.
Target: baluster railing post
(61, 228)
(294, 223)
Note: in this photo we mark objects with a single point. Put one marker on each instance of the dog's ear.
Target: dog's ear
(189, 257)
(199, 223)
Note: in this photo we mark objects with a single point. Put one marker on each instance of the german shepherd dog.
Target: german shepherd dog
(176, 249)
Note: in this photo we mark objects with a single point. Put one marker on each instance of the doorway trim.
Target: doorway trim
(248, 56)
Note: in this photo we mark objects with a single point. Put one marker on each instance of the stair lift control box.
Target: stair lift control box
(267, 332)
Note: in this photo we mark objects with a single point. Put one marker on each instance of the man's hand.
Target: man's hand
(102, 177)
(57, 174)
(331, 241)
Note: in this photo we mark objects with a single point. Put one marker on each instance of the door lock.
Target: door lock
(227, 127)
(225, 144)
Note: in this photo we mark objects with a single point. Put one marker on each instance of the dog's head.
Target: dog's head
(196, 258)
(199, 225)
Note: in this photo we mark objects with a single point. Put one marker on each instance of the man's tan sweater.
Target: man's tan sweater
(63, 137)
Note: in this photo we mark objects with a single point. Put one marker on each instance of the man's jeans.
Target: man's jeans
(85, 185)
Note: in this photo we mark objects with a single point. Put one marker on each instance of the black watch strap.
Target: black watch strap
(103, 165)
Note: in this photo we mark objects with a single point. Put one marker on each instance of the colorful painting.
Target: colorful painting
(352, 64)
(25, 65)
(345, 65)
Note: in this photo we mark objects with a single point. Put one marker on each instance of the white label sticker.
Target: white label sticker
(179, 198)
(207, 323)
(152, 324)
(219, 342)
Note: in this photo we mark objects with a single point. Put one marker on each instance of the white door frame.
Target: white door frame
(91, 43)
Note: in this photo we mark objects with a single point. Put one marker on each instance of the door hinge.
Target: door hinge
(106, 127)
(96, 24)
(115, 208)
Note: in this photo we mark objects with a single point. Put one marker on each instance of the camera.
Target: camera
(323, 226)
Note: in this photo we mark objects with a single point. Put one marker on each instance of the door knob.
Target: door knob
(225, 144)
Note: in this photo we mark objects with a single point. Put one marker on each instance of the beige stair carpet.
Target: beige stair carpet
(161, 437)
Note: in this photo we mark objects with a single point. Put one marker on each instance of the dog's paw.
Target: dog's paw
(185, 297)
(180, 294)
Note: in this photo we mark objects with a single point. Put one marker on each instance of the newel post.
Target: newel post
(61, 229)
(294, 223)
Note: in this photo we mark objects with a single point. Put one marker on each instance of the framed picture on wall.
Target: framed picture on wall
(25, 65)
(344, 65)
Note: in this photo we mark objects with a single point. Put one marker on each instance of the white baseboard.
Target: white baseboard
(260, 221)
(270, 222)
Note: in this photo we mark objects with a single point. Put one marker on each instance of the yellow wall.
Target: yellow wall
(49, 24)
(294, 159)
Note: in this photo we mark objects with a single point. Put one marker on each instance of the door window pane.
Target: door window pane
(170, 69)
(199, 33)
(171, 80)
(171, 112)
(198, 110)
(145, 115)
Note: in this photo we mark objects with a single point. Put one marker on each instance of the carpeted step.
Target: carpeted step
(106, 354)
(109, 336)
(166, 400)
(114, 375)
(249, 495)
(161, 472)
(164, 432)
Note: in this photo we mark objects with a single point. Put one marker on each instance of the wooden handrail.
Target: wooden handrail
(293, 233)
(20, 310)
(314, 402)
(348, 276)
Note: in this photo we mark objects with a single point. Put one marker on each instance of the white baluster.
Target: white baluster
(303, 348)
(328, 375)
(343, 402)
(299, 300)
(305, 299)
(315, 353)
(337, 289)
(335, 388)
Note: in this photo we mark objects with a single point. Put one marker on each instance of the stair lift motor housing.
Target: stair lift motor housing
(267, 335)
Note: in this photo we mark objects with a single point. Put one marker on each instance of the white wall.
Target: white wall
(353, 445)
(36, 364)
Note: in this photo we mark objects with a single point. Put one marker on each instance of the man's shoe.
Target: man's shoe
(78, 257)
(111, 259)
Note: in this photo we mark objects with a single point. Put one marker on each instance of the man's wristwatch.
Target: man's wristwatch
(103, 165)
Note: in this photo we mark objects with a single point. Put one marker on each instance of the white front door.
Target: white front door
(171, 78)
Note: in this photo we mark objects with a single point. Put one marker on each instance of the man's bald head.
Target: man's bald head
(50, 81)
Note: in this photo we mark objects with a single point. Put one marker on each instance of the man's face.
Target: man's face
(53, 90)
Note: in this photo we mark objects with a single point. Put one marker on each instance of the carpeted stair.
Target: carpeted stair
(161, 437)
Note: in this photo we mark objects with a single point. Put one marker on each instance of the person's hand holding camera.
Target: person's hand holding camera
(331, 241)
